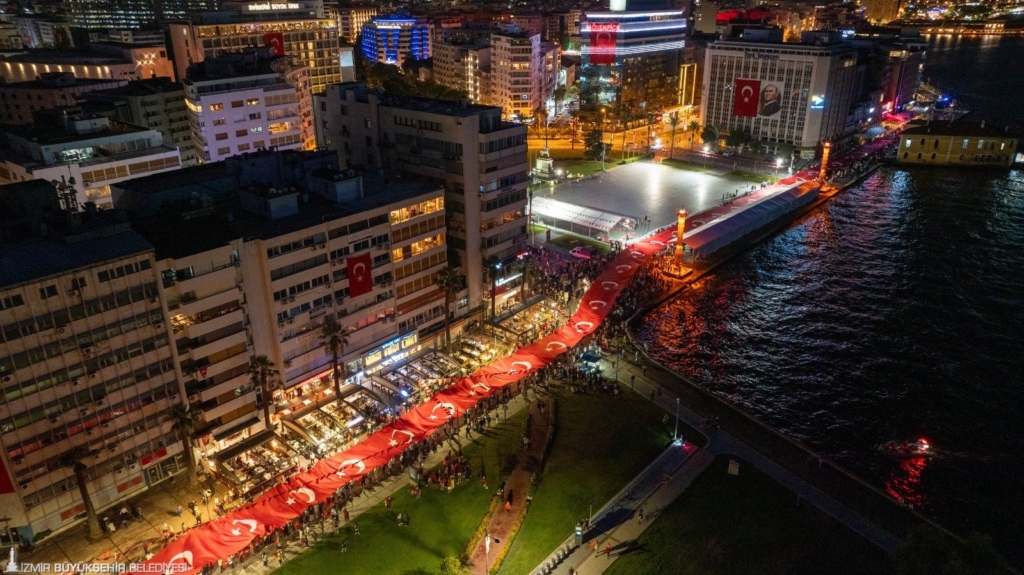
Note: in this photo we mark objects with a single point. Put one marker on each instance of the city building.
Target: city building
(99, 62)
(158, 104)
(881, 11)
(290, 30)
(244, 102)
(798, 94)
(92, 14)
(518, 74)
(463, 64)
(43, 31)
(479, 159)
(631, 60)
(285, 229)
(351, 20)
(392, 39)
(85, 361)
(93, 151)
(957, 143)
(10, 37)
(19, 101)
(140, 36)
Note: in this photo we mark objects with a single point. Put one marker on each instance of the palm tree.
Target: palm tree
(74, 459)
(333, 339)
(184, 421)
(559, 97)
(574, 114)
(263, 375)
(540, 116)
(673, 120)
(693, 128)
(448, 282)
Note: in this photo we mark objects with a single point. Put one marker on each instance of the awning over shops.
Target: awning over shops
(236, 426)
(243, 446)
(578, 215)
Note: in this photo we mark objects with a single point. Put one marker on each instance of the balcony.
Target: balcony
(224, 387)
(197, 330)
(219, 410)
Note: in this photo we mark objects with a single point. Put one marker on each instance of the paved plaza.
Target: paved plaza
(648, 189)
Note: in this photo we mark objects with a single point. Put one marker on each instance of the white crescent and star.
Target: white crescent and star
(393, 442)
(356, 270)
(481, 385)
(597, 304)
(743, 93)
(613, 285)
(581, 329)
(528, 365)
(250, 523)
(303, 491)
(186, 556)
(446, 406)
(350, 463)
(555, 346)
(623, 268)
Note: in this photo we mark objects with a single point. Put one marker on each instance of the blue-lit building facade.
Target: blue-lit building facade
(631, 59)
(392, 39)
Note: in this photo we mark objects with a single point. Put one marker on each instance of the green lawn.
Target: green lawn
(725, 524)
(440, 525)
(749, 176)
(689, 167)
(601, 442)
(569, 241)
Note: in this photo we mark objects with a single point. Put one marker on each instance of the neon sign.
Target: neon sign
(264, 6)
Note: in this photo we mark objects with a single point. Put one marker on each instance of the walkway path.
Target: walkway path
(517, 487)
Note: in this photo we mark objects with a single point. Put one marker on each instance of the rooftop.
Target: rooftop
(216, 225)
(958, 128)
(48, 133)
(58, 56)
(56, 81)
(445, 107)
(100, 237)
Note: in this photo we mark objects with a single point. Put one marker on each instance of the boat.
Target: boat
(907, 449)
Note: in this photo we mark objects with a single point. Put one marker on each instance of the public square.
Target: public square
(645, 188)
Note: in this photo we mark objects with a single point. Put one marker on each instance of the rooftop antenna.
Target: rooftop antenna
(68, 197)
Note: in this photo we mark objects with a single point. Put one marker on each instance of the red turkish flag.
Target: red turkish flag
(360, 280)
(603, 40)
(744, 104)
(275, 40)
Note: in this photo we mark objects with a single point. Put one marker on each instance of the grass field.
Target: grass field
(440, 524)
(725, 524)
(601, 442)
(569, 241)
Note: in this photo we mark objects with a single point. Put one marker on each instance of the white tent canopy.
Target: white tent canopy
(578, 215)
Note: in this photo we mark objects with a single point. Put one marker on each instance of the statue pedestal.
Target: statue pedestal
(676, 270)
(544, 167)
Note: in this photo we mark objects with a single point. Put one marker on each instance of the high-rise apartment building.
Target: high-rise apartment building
(631, 60)
(128, 13)
(157, 104)
(479, 159)
(93, 150)
(463, 64)
(85, 362)
(392, 39)
(239, 103)
(517, 74)
(798, 94)
(291, 29)
(351, 20)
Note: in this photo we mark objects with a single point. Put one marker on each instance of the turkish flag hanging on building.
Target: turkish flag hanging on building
(744, 104)
(603, 36)
(360, 280)
(275, 40)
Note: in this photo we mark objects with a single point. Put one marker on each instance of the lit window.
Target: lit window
(215, 107)
(253, 101)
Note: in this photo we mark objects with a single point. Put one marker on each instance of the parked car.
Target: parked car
(583, 252)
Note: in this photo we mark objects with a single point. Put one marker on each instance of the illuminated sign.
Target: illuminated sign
(264, 6)
(604, 26)
(817, 101)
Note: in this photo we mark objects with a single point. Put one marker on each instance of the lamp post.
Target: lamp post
(675, 434)
(707, 150)
(680, 229)
(778, 164)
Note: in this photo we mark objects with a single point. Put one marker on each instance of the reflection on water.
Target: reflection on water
(895, 312)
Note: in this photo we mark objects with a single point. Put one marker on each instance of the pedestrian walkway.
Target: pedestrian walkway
(515, 494)
(616, 526)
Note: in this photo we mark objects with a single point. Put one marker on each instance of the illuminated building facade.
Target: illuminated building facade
(352, 19)
(312, 40)
(797, 94)
(101, 62)
(392, 39)
(631, 59)
(91, 14)
(240, 103)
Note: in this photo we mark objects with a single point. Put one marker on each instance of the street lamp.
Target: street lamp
(778, 164)
(707, 150)
(675, 434)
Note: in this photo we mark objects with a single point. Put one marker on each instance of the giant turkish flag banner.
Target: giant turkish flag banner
(745, 99)
(603, 40)
(275, 40)
(360, 280)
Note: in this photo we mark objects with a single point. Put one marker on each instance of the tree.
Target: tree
(263, 375)
(627, 117)
(929, 551)
(540, 117)
(334, 340)
(184, 421)
(735, 139)
(453, 566)
(574, 123)
(709, 135)
(559, 97)
(673, 120)
(448, 282)
(693, 128)
(593, 145)
(74, 459)
(529, 274)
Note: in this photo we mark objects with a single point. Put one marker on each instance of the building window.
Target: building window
(12, 301)
(908, 142)
(933, 156)
(78, 283)
(241, 133)
(965, 144)
(237, 104)
(215, 107)
(224, 151)
(222, 136)
(253, 101)
(220, 122)
(936, 144)
(255, 129)
(47, 292)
